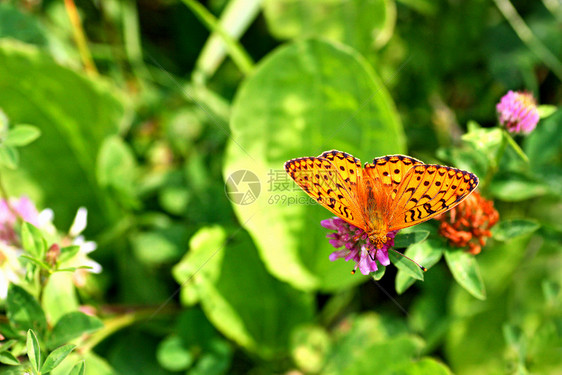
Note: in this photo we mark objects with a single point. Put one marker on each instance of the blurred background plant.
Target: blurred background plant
(141, 111)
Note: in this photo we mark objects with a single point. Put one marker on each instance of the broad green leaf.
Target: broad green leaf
(72, 325)
(369, 344)
(59, 296)
(212, 268)
(403, 240)
(88, 363)
(379, 273)
(23, 310)
(361, 24)
(310, 345)
(406, 265)
(544, 145)
(215, 362)
(546, 110)
(68, 252)
(173, 355)
(21, 135)
(8, 358)
(33, 241)
(508, 229)
(137, 345)
(9, 157)
(78, 369)
(33, 350)
(34, 89)
(338, 103)
(56, 357)
(465, 270)
(516, 188)
(117, 168)
(427, 254)
(144, 243)
(24, 26)
(425, 366)
(195, 329)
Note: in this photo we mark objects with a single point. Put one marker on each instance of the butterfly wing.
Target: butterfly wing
(389, 171)
(331, 179)
(427, 191)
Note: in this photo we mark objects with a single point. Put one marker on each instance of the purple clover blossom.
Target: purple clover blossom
(357, 245)
(518, 112)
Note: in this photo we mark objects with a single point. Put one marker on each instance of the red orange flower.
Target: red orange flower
(469, 223)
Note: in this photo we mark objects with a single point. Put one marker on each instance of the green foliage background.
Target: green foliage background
(181, 94)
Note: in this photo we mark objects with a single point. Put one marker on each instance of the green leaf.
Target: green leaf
(33, 350)
(33, 241)
(9, 157)
(8, 358)
(406, 265)
(327, 110)
(508, 229)
(117, 169)
(23, 310)
(76, 364)
(22, 135)
(211, 269)
(546, 110)
(21, 25)
(426, 253)
(360, 23)
(384, 346)
(544, 144)
(403, 240)
(68, 252)
(56, 357)
(466, 272)
(379, 273)
(144, 243)
(72, 325)
(6, 344)
(35, 89)
(425, 366)
(173, 355)
(215, 362)
(37, 262)
(310, 345)
(59, 296)
(78, 369)
(516, 188)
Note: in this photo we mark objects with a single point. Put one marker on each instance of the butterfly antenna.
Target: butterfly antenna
(416, 263)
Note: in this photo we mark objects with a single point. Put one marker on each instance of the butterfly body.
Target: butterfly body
(391, 193)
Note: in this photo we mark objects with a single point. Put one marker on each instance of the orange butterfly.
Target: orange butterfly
(391, 193)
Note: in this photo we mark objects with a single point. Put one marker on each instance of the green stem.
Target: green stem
(110, 327)
(494, 166)
(80, 37)
(132, 40)
(235, 49)
(115, 324)
(527, 36)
